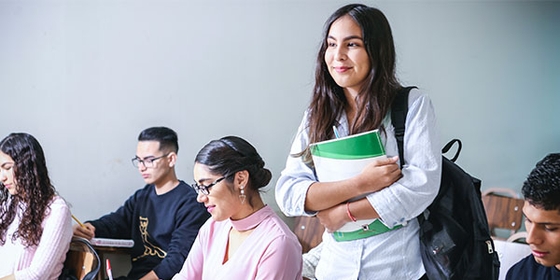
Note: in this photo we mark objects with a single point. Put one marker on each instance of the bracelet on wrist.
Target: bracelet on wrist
(349, 213)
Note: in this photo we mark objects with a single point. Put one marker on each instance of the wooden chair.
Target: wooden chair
(503, 209)
(82, 260)
(309, 232)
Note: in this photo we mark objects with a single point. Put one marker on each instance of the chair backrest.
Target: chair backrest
(82, 261)
(309, 232)
(518, 237)
(503, 209)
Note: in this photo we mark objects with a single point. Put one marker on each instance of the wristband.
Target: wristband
(348, 212)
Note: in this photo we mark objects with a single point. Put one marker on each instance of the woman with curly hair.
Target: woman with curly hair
(35, 223)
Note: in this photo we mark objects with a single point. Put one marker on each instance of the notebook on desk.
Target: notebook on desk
(109, 242)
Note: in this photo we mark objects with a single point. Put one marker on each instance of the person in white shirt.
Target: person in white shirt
(355, 85)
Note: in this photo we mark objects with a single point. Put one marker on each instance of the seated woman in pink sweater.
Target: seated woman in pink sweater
(245, 239)
(35, 223)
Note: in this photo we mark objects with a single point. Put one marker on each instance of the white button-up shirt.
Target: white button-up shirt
(394, 254)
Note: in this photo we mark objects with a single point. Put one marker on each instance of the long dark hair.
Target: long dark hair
(376, 95)
(34, 189)
(231, 154)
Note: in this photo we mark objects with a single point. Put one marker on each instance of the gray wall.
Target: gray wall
(85, 77)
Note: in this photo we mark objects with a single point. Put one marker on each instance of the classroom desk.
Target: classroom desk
(103, 251)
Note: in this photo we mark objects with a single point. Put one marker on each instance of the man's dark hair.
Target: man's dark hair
(542, 187)
(166, 137)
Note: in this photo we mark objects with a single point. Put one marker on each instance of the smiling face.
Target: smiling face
(222, 201)
(7, 173)
(346, 56)
(543, 234)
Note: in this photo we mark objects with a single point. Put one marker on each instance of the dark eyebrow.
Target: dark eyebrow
(148, 157)
(544, 224)
(548, 224)
(347, 38)
(6, 163)
(202, 180)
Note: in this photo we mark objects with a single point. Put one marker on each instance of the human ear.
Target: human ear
(172, 157)
(241, 178)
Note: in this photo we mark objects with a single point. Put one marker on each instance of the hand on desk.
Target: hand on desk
(87, 231)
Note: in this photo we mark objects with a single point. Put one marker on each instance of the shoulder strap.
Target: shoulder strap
(399, 109)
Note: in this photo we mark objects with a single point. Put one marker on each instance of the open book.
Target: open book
(345, 157)
(108, 242)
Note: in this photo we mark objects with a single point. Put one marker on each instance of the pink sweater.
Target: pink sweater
(44, 261)
(271, 252)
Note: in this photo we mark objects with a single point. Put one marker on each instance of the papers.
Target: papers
(108, 242)
(509, 254)
(345, 157)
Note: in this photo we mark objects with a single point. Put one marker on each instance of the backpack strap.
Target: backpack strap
(399, 109)
(448, 146)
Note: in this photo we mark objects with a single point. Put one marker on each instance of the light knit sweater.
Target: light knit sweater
(44, 261)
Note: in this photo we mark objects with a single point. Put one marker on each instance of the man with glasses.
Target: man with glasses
(163, 218)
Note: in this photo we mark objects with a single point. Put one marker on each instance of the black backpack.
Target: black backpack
(454, 235)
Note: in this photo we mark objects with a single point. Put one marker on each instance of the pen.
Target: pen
(108, 267)
(78, 221)
(335, 132)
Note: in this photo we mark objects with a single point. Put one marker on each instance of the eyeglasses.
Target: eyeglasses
(147, 162)
(205, 189)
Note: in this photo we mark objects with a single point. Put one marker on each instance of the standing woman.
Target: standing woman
(245, 239)
(355, 84)
(35, 223)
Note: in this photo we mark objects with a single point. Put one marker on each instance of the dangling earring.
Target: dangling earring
(242, 196)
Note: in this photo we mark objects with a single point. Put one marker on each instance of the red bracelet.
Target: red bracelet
(348, 212)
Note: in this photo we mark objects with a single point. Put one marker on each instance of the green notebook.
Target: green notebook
(346, 157)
